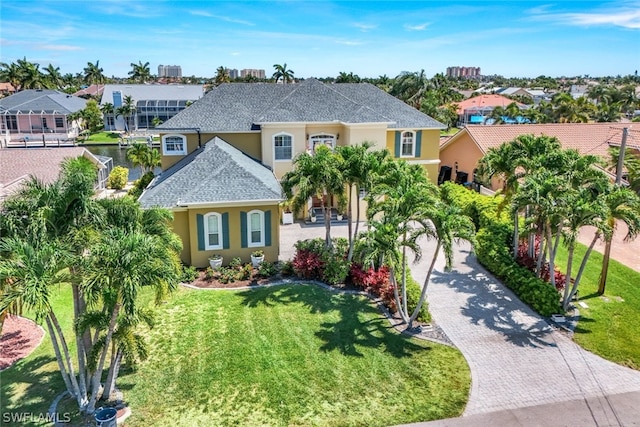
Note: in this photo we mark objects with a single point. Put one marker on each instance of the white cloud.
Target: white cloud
(628, 19)
(59, 47)
(350, 42)
(419, 27)
(222, 18)
(365, 27)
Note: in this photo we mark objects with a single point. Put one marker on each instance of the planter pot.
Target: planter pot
(287, 218)
(256, 261)
(313, 219)
(339, 217)
(215, 262)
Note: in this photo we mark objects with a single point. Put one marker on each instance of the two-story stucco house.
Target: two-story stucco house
(256, 130)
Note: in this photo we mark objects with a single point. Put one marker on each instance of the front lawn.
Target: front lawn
(294, 355)
(609, 326)
(291, 355)
(105, 137)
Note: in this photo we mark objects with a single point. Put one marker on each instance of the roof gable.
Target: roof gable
(215, 173)
(483, 101)
(44, 100)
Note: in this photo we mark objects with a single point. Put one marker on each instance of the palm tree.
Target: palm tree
(283, 73)
(11, 73)
(93, 73)
(127, 110)
(30, 75)
(53, 77)
(315, 175)
(108, 111)
(144, 156)
(140, 72)
(222, 76)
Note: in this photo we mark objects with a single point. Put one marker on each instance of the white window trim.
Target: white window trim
(261, 243)
(206, 231)
(413, 143)
(165, 152)
(312, 145)
(273, 144)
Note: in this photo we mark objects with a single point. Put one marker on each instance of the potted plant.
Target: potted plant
(287, 214)
(257, 257)
(342, 207)
(312, 215)
(215, 261)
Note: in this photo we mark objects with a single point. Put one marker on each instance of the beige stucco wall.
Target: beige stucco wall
(429, 150)
(462, 150)
(200, 259)
(247, 142)
(181, 228)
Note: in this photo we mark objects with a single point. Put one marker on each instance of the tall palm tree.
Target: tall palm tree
(144, 156)
(10, 72)
(127, 110)
(53, 77)
(315, 175)
(93, 73)
(283, 73)
(140, 72)
(30, 75)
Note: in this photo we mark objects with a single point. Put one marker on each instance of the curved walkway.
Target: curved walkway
(517, 359)
(521, 367)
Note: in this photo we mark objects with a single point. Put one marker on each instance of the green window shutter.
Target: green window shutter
(267, 228)
(225, 230)
(418, 143)
(243, 229)
(397, 145)
(200, 223)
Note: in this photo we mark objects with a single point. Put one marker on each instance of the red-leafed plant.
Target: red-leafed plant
(374, 281)
(531, 263)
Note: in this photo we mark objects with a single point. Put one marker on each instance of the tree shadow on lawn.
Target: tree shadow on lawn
(39, 386)
(347, 334)
(492, 304)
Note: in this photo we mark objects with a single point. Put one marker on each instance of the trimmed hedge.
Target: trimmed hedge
(493, 249)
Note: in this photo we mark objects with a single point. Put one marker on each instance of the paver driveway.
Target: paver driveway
(517, 360)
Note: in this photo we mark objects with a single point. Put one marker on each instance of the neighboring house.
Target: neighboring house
(18, 164)
(94, 91)
(6, 89)
(39, 115)
(271, 124)
(149, 102)
(477, 110)
(460, 154)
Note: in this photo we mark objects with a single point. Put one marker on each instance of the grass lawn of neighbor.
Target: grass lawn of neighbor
(290, 355)
(609, 326)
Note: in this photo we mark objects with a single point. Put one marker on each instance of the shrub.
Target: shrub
(315, 261)
(189, 274)
(286, 268)
(118, 178)
(141, 184)
(493, 249)
(267, 269)
(413, 295)
(375, 282)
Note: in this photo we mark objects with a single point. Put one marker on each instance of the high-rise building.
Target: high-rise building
(463, 72)
(259, 74)
(169, 71)
(233, 73)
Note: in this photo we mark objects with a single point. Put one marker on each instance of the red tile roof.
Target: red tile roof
(587, 138)
(483, 101)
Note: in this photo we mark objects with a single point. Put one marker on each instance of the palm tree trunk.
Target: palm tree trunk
(114, 369)
(602, 284)
(97, 375)
(552, 276)
(404, 279)
(583, 264)
(350, 226)
(3, 316)
(567, 282)
(56, 350)
(423, 294)
(541, 251)
(355, 232)
(81, 349)
(516, 236)
(396, 294)
(81, 398)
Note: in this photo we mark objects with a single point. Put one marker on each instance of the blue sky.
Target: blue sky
(322, 38)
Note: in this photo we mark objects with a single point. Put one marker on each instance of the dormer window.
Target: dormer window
(174, 145)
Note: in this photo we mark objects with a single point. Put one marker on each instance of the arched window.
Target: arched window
(282, 146)
(255, 229)
(174, 145)
(407, 148)
(213, 231)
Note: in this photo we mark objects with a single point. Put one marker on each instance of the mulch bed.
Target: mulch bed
(204, 283)
(19, 338)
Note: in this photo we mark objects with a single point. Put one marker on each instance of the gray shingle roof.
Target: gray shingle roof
(215, 173)
(238, 107)
(39, 100)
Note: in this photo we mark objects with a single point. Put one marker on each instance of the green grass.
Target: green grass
(293, 355)
(449, 132)
(609, 327)
(105, 137)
